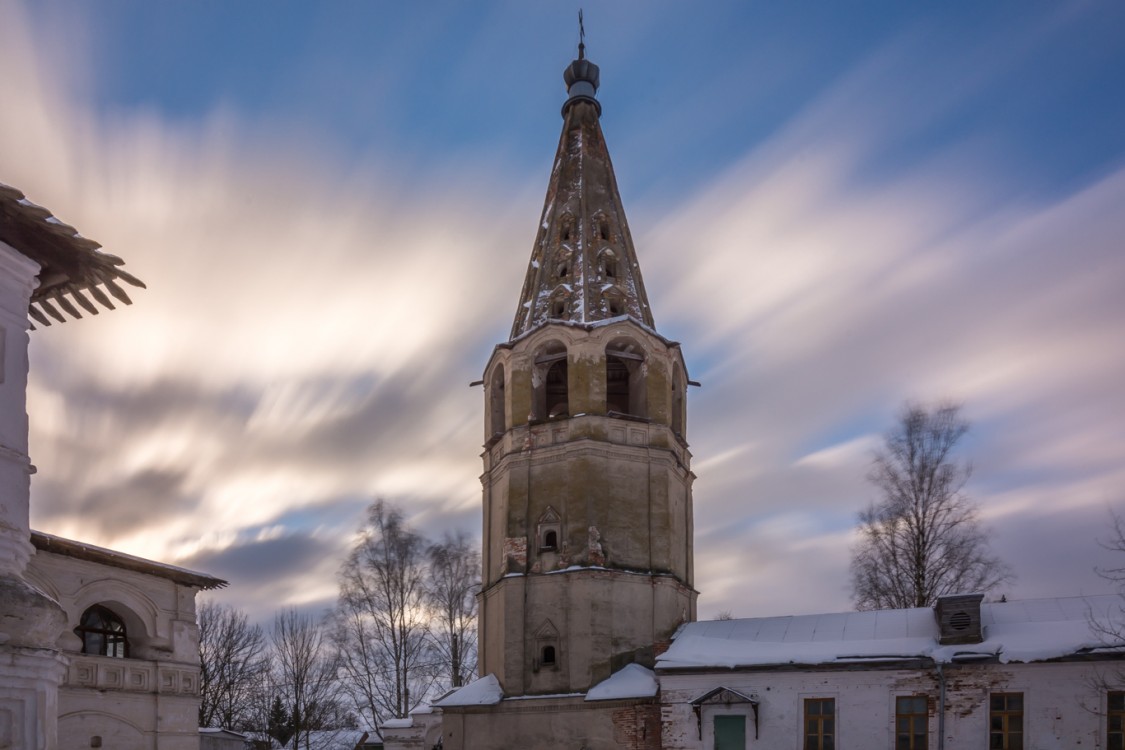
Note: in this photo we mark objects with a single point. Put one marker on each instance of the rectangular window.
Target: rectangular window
(1115, 720)
(911, 717)
(820, 724)
(1005, 721)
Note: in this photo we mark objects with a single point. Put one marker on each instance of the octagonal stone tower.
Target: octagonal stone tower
(587, 550)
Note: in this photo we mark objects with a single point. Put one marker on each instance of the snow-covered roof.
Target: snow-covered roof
(225, 733)
(93, 553)
(633, 681)
(1020, 631)
(335, 739)
(485, 691)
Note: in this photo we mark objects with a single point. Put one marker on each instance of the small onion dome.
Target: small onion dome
(581, 78)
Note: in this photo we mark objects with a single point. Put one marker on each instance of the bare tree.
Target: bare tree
(381, 623)
(451, 589)
(231, 665)
(305, 674)
(923, 539)
(1110, 626)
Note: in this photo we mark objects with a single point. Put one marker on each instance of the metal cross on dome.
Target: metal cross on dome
(581, 37)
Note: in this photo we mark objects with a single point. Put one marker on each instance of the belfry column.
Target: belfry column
(587, 501)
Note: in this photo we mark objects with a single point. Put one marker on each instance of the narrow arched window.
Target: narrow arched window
(548, 656)
(547, 531)
(102, 633)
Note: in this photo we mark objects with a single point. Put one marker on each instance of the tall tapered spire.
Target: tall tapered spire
(583, 267)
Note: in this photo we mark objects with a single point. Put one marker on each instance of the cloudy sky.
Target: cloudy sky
(836, 209)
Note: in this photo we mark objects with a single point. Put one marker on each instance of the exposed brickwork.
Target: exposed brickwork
(967, 688)
(515, 554)
(637, 727)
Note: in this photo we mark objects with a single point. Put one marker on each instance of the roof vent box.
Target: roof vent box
(958, 619)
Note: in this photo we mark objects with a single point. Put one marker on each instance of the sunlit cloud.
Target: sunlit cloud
(848, 453)
(313, 319)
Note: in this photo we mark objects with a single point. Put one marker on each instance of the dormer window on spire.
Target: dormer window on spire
(608, 264)
(601, 227)
(566, 228)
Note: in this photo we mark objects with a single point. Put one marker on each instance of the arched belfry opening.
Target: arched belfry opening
(558, 397)
(625, 379)
(551, 382)
(497, 410)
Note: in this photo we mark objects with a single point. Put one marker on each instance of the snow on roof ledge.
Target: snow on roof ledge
(634, 681)
(483, 692)
(1019, 631)
(397, 723)
(83, 551)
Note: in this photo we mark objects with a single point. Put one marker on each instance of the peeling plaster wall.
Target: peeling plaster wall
(1062, 708)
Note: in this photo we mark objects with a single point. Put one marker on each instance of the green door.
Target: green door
(730, 733)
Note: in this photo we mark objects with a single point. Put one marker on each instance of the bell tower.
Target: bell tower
(587, 553)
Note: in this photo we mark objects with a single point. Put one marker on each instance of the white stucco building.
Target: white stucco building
(1006, 675)
(131, 644)
(97, 648)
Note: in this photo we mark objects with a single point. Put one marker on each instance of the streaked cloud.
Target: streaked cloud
(314, 317)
